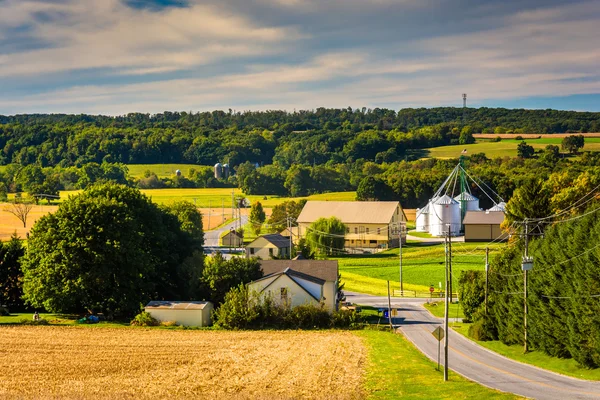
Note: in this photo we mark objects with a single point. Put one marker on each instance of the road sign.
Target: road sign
(386, 314)
(431, 289)
(438, 333)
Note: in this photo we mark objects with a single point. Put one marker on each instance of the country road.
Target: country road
(211, 238)
(477, 363)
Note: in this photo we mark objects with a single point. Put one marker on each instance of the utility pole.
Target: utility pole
(487, 271)
(446, 309)
(450, 263)
(527, 264)
(289, 224)
(233, 213)
(400, 257)
(209, 210)
(390, 308)
(223, 209)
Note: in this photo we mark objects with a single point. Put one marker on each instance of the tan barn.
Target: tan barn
(269, 246)
(370, 224)
(232, 239)
(484, 226)
(184, 313)
(297, 282)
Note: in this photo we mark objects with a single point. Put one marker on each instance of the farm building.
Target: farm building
(370, 224)
(232, 239)
(185, 313)
(269, 246)
(296, 282)
(484, 226)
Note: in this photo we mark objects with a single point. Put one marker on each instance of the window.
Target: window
(373, 241)
(355, 229)
(367, 230)
(352, 241)
(271, 252)
(379, 231)
(251, 250)
(347, 230)
(284, 294)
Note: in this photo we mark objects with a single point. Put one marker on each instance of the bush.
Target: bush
(308, 316)
(497, 139)
(481, 330)
(347, 319)
(519, 137)
(144, 319)
(27, 321)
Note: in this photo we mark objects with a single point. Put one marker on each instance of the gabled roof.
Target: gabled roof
(294, 276)
(350, 212)
(177, 305)
(275, 239)
(326, 270)
(483, 218)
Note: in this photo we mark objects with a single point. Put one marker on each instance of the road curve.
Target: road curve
(211, 238)
(479, 364)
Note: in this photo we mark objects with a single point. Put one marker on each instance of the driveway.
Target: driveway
(477, 363)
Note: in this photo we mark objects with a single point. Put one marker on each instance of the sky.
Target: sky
(119, 56)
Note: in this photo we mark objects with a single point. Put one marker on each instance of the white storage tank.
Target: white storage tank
(218, 171)
(443, 212)
(499, 207)
(472, 202)
(225, 171)
(422, 221)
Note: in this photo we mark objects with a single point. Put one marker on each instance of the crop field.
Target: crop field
(161, 170)
(422, 265)
(10, 224)
(507, 147)
(138, 363)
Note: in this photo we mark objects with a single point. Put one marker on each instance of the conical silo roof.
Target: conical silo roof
(445, 200)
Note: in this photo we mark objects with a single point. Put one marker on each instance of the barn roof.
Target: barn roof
(277, 239)
(326, 270)
(483, 218)
(177, 305)
(350, 212)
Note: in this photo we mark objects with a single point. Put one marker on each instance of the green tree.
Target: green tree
(466, 136)
(107, 249)
(326, 236)
(281, 212)
(524, 150)
(257, 217)
(221, 275)
(531, 200)
(573, 143)
(11, 276)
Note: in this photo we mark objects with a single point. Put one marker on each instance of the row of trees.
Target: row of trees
(272, 137)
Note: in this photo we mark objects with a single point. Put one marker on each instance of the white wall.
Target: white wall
(183, 317)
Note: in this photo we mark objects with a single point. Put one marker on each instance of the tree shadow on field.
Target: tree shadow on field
(416, 154)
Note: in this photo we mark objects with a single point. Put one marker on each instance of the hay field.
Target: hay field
(83, 362)
(9, 223)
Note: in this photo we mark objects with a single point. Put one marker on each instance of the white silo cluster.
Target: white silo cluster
(444, 213)
(222, 171)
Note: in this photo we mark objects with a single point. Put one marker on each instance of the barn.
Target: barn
(185, 313)
(484, 226)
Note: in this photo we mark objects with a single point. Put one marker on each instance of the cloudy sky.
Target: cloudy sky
(120, 56)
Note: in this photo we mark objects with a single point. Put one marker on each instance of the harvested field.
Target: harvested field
(86, 362)
(10, 224)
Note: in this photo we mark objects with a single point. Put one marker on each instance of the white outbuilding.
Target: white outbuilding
(184, 313)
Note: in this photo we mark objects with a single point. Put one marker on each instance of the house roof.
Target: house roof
(350, 212)
(227, 233)
(483, 218)
(177, 305)
(326, 270)
(293, 275)
(275, 239)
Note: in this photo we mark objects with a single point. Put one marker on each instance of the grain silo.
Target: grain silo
(225, 171)
(499, 207)
(443, 212)
(422, 220)
(471, 202)
(218, 171)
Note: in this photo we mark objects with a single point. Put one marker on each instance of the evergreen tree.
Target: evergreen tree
(257, 217)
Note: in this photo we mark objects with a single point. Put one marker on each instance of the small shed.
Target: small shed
(232, 239)
(185, 313)
(484, 226)
(269, 246)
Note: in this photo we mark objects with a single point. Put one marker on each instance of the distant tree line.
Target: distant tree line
(271, 137)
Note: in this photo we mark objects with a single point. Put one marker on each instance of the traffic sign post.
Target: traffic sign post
(431, 290)
(438, 333)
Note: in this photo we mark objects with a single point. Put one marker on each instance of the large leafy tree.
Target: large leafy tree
(325, 236)
(222, 275)
(530, 201)
(107, 249)
(281, 212)
(257, 217)
(573, 143)
(11, 276)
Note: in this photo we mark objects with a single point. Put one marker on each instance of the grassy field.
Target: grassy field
(397, 370)
(74, 362)
(507, 147)
(161, 170)
(537, 358)
(437, 309)
(422, 266)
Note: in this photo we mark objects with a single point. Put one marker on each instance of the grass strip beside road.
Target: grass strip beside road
(396, 369)
(374, 286)
(437, 309)
(565, 366)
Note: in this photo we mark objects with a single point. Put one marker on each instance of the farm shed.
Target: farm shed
(304, 281)
(269, 246)
(186, 313)
(232, 239)
(484, 226)
(370, 224)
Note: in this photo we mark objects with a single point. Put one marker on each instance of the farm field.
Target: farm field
(422, 265)
(161, 170)
(10, 224)
(77, 362)
(507, 147)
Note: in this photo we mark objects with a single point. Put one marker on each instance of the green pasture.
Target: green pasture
(565, 366)
(504, 148)
(161, 170)
(422, 266)
(397, 370)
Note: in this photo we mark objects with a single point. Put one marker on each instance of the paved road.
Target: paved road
(477, 363)
(211, 238)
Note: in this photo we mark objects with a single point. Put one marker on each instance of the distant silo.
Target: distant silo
(225, 171)
(499, 207)
(218, 171)
(443, 212)
(472, 202)
(423, 219)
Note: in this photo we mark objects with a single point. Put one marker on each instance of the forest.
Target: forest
(272, 137)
